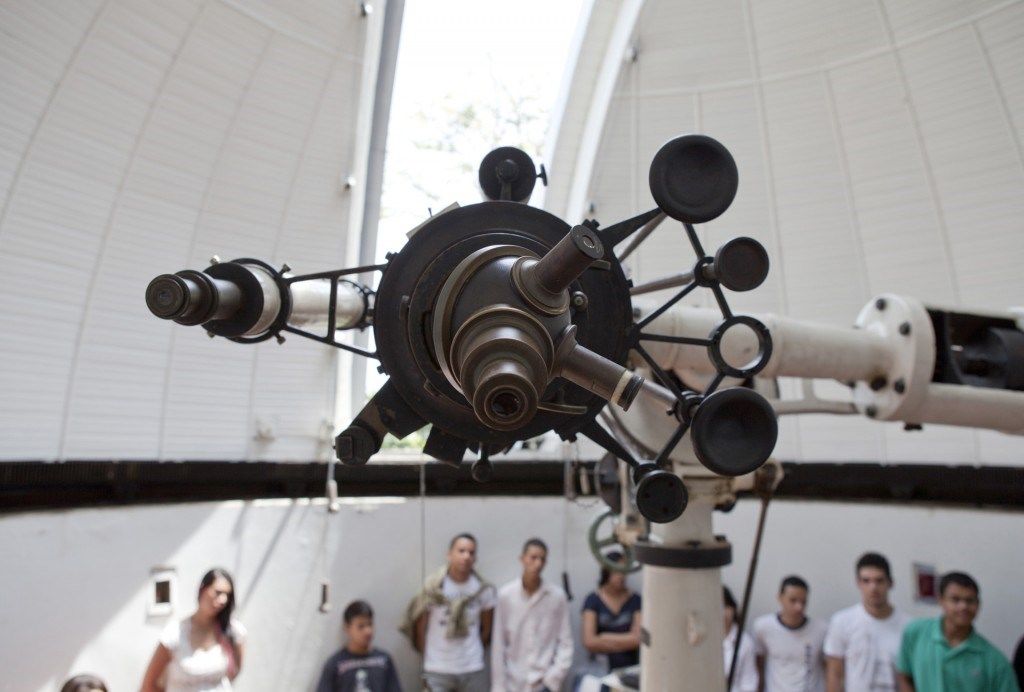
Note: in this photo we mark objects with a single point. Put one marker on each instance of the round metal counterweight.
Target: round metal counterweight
(507, 168)
(734, 431)
(661, 496)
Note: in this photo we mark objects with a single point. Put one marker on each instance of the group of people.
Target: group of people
(457, 614)
(869, 646)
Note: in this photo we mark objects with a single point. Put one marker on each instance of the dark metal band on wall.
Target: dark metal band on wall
(27, 485)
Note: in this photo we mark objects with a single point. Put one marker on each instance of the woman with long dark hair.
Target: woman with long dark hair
(203, 652)
(611, 619)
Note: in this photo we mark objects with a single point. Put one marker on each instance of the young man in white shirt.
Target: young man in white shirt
(450, 621)
(789, 644)
(531, 650)
(863, 641)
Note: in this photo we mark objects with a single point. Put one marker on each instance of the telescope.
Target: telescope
(498, 322)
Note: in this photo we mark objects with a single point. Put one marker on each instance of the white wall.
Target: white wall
(74, 583)
(140, 137)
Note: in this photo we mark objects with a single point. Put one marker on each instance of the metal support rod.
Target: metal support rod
(751, 571)
(641, 235)
(662, 283)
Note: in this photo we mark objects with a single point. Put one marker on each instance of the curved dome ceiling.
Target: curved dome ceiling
(140, 137)
(879, 144)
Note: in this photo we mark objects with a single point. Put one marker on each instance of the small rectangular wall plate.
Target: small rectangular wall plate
(162, 592)
(926, 583)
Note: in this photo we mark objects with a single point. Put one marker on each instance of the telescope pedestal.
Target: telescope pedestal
(682, 613)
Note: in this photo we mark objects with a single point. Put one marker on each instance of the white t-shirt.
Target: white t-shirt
(461, 655)
(869, 646)
(745, 678)
(190, 670)
(793, 657)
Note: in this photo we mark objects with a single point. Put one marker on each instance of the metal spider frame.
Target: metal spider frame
(640, 228)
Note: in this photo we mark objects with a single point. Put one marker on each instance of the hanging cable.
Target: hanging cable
(423, 522)
(764, 486)
(569, 495)
(332, 507)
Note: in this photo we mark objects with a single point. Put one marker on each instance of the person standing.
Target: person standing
(531, 649)
(946, 653)
(1018, 662)
(863, 640)
(789, 644)
(357, 666)
(203, 652)
(450, 620)
(611, 618)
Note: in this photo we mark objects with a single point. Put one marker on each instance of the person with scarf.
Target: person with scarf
(449, 622)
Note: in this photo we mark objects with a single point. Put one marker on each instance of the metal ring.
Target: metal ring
(764, 347)
(286, 302)
(700, 556)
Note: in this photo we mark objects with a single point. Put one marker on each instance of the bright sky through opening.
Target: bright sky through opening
(471, 74)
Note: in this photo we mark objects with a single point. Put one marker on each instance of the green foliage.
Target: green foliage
(413, 442)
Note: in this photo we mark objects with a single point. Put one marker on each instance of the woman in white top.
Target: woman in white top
(746, 678)
(203, 652)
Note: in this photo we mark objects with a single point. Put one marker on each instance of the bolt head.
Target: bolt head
(871, 411)
(343, 447)
(355, 445)
(880, 304)
(900, 386)
(482, 471)
(905, 328)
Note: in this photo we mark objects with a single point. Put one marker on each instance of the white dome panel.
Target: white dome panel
(143, 137)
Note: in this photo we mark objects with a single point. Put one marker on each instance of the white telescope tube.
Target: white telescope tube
(311, 301)
(890, 358)
(974, 407)
(799, 349)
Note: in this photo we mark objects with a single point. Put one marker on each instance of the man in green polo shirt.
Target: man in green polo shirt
(945, 654)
